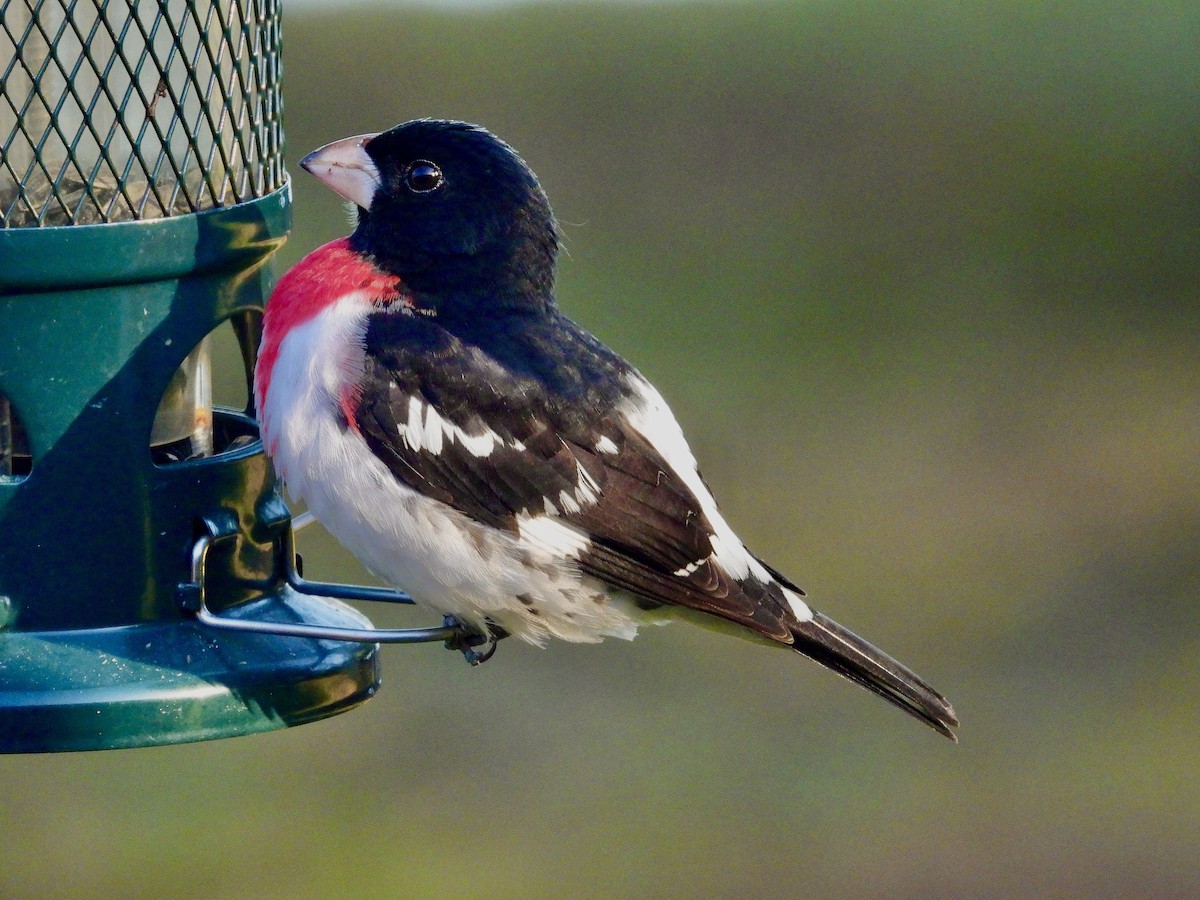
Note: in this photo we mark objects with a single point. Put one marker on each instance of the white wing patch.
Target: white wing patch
(799, 608)
(566, 503)
(426, 431)
(588, 491)
(647, 413)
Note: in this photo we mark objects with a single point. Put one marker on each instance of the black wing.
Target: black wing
(547, 414)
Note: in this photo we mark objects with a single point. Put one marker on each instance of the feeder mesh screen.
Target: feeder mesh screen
(115, 110)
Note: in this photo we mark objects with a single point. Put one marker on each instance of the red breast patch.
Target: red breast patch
(315, 283)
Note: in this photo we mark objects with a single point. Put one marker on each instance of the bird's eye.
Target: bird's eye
(422, 177)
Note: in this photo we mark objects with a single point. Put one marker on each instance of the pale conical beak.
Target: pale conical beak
(345, 167)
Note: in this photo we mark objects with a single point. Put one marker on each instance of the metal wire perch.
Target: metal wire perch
(192, 597)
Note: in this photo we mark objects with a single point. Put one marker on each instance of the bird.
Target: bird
(420, 390)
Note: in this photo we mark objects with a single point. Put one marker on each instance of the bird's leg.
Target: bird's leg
(466, 639)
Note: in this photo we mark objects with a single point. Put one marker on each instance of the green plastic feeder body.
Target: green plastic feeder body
(96, 650)
(142, 197)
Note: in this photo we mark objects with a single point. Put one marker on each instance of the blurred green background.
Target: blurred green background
(921, 281)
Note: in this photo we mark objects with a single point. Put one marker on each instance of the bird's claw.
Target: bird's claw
(467, 639)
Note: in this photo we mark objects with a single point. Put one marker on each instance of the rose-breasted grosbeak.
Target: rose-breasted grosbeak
(420, 389)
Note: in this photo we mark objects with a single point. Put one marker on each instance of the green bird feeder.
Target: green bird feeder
(148, 583)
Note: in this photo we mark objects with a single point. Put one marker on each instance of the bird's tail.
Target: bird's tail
(827, 642)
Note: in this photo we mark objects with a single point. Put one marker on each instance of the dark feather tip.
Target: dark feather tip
(836, 648)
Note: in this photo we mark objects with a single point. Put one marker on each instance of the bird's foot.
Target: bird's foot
(466, 640)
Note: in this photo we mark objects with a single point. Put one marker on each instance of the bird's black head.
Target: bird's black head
(451, 209)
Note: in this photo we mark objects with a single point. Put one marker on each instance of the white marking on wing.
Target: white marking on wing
(605, 445)
(647, 413)
(427, 430)
(412, 431)
(479, 444)
(588, 491)
(800, 609)
(433, 431)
